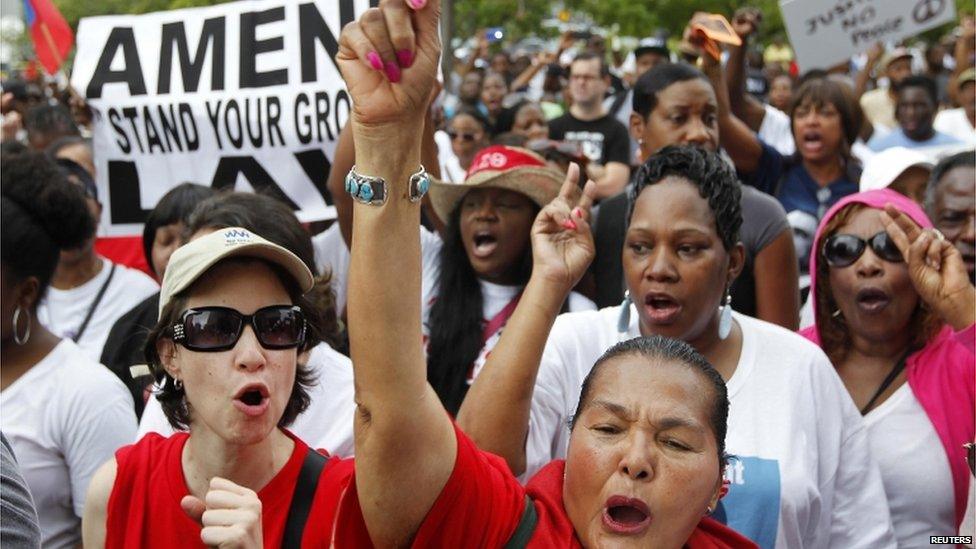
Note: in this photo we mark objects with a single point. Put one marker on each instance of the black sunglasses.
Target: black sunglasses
(842, 250)
(212, 329)
(464, 136)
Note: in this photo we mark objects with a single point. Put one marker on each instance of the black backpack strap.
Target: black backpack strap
(526, 527)
(301, 500)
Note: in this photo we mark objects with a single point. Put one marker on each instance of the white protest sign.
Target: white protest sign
(825, 33)
(242, 95)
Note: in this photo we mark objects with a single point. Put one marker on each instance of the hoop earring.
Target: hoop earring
(21, 340)
(623, 320)
(725, 315)
(178, 384)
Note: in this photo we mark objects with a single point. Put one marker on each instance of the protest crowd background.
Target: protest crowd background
(665, 277)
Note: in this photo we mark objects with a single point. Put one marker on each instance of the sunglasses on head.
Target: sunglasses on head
(464, 136)
(212, 329)
(842, 250)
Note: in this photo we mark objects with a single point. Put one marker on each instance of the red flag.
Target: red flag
(50, 32)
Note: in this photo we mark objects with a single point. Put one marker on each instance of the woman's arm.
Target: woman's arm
(405, 443)
(736, 138)
(345, 157)
(746, 107)
(777, 290)
(495, 412)
(96, 505)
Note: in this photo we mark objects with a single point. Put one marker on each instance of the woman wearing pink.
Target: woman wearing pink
(893, 303)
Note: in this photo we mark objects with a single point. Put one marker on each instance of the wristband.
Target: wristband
(373, 191)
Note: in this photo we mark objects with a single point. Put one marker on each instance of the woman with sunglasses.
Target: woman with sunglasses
(234, 315)
(802, 457)
(900, 334)
(327, 422)
(467, 132)
(63, 413)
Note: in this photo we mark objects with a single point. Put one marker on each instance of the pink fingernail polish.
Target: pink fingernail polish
(404, 58)
(374, 60)
(569, 224)
(577, 212)
(392, 71)
(417, 4)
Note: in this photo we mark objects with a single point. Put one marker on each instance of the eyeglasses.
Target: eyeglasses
(469, 137)
(842, 250)
(971, 456)
(213, 329)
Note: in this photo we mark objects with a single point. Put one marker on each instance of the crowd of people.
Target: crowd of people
(686, 297)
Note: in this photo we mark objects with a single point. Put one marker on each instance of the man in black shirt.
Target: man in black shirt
(602, 138)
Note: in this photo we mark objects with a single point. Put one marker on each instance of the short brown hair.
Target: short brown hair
(823, 91)
(835, 338)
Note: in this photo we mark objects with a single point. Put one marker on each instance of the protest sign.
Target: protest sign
(824, 34)
(241, 95)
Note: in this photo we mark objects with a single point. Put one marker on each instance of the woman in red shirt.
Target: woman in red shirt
(647, 448)
(646, 453)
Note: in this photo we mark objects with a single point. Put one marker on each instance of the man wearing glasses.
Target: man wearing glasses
(602, 138)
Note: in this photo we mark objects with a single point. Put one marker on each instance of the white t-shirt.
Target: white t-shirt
(65, 417)
(803, 474)
(914, 469)
(777, 131)
(327, 423)
(63, 311)
(955, 123)
(494, 296)
(332, 255)
(451, 170)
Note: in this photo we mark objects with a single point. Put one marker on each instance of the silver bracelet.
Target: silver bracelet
(373, 191)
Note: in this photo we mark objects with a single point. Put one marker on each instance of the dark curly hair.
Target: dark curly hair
(42, 213)
(706, 170)
(658, 348)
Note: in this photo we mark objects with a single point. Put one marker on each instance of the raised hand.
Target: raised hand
(935, 267)
(388, 59)
(746, 22)
(562, 244)
(230, 515)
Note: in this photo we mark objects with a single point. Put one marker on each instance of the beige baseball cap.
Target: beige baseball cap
(190, 261)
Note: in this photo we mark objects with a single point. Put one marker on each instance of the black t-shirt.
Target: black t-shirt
(602, 140)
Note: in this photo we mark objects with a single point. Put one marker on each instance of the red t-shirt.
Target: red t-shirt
(144, 507)
(481, 504)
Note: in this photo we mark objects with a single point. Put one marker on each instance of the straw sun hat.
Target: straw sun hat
(501, 167)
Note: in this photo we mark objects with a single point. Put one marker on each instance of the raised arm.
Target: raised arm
(405, 443)
(736, 138)
(746, 107)
(345, 157)
(495, 412)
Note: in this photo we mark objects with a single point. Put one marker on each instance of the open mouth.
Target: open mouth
(622, 515)
(812, 141)
(661, 308)
(485, 244)
(253, 399)
(872, 300)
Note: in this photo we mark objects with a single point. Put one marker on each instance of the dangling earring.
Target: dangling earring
(18, 339)
(178, 384)
(725, 315)
(623, 321)
(836, 314)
